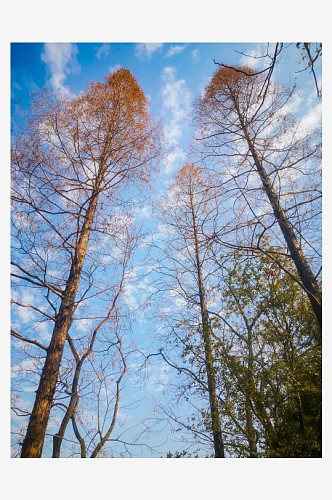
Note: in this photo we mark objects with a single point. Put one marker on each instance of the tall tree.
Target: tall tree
(181, 266)
(71, 162)
(253, 142)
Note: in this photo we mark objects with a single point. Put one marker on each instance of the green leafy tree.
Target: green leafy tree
(269, 360)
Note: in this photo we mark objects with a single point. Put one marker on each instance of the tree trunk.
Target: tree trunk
(57, 439)
(216, 424)
(251, 435)
(306, 275)
(32, 446)
(103, 439)
(79, 437)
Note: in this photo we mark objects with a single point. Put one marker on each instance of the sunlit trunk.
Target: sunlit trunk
(32, 446)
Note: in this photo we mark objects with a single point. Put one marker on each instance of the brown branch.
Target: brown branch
(33, 307)
(35, 342)
(40, 282)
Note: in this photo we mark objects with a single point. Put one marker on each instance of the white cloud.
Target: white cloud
(26, 314)
(104, 50)
(250, 57)
(17, 85)
(114, 68)
(27, 297)
(168, 73)
(82, 325)
(291, 107)
(159, 234)
(171, 159)
(130, 292)
(26, 367)
(30, 84)
(175, 49)
(313, 96)
(14, 294)
(309, 122)
(43, 331)
(61, 59)
(194, 55)
(24, 405)
(313, 119)
(147, 49)
(122, 416)
(177, 100)
(143, 213)
(158, 377)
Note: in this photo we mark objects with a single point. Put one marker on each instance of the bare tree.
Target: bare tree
(269, 164)
(182, 266)
(73, 162)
